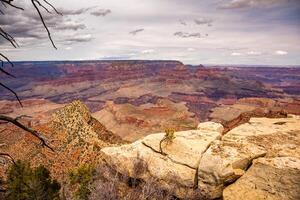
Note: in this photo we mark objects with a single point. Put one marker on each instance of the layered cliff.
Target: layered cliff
(137, 91)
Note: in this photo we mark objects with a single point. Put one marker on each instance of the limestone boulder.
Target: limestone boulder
(228, 159)
(268, 179)
(211, 127)
(175, 168)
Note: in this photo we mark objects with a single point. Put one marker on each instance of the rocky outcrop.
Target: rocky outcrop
(134, 122)
(202, 163)
(72, 132)
(275, 178)
(228, 159)
(80, 127)
(231, 116)
(175, 168)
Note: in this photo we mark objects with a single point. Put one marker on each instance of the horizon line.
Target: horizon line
(160, 60)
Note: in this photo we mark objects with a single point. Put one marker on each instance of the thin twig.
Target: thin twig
(9, 156)
(53, 7)
(5, 72)
(13, 42)
(42, 19)
(32, 132)
(8, 2)
(1, 84)
(41, 5)
(7, 59)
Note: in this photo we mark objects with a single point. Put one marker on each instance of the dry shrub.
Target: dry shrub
(106, 190)
(110, 185)
(149, 190)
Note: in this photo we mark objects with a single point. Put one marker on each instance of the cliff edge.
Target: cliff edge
(256, 160)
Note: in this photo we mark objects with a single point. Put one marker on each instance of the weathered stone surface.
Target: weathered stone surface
(187, 146)
(138, 161)
(224, 161)
(211, 126)
(175, 168)
(268, 178)
(220, 161)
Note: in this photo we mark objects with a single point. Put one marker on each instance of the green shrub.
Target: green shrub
(170, 134)
(168, 138)
(24, 183)
(82, 178)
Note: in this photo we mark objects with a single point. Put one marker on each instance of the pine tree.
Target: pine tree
(24, 183)
(82, 178)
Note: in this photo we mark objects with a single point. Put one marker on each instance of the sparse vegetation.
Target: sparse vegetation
(25, 183)
(168, 138)
(82, 178)
(110, 185)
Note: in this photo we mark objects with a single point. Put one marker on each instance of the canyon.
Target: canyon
(205, 162)
(233, 126)
(136, 98)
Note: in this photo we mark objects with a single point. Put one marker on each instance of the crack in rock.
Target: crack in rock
(164, 154)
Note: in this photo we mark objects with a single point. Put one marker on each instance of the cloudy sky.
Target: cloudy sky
(192, 31)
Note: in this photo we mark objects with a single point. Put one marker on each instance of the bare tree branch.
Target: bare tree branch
(43, 22)
(3, 56)
(1, 84)
(5, 72)
(9, 38)
(9, 156)
(36, 4)
(53, 7)
(41, 5)
(8, 2)
(32, 132)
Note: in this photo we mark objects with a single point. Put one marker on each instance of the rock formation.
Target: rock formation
(72, 132)
(133, 122)
(268, 178)
(240, 112)
(204, 164)
(136, 88)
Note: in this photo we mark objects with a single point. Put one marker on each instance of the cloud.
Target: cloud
(148, 51)
(187, 35)
(264, 30)
(101, 12)
(254, 53)
(78, 39)
(81, 11)
(182, 22)
(117, 57)
(203, 21)
(239, 4)
(281, 53)
(136, 31)
(236, 54)
(232, 49)
(70, 25)
(27, 28)
(191, 49)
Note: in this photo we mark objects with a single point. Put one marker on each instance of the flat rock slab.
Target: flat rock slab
(177, 168)
(187, 146)
(268, 179)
